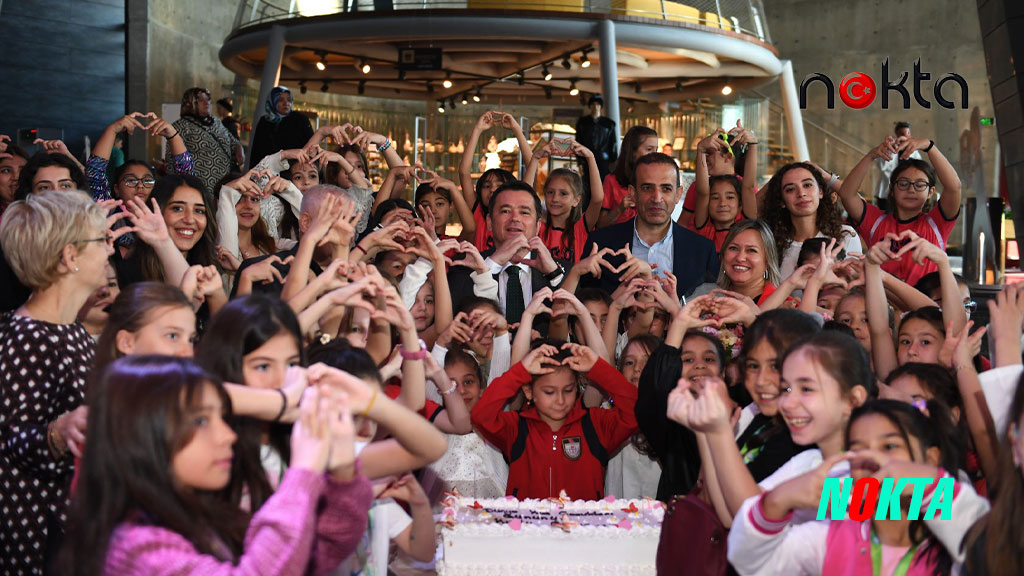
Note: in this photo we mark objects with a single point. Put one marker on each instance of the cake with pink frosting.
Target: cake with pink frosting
(556, 536)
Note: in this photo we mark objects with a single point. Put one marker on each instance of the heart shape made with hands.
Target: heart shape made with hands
(901, 243)
(343, 129)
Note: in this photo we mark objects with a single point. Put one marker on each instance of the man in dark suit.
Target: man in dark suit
(652, 236)
(519, 262)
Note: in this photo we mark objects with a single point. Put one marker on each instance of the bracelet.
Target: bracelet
(173, 136)
(284, 405)
(931, 144)
(358, 247)
(832, 182)
(366, 410)
(449, 391)
(418, 355)
(53, 442)
(384, 146)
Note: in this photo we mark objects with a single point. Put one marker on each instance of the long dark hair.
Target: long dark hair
(1000, 528)
(131, 311)
(829, 217)
(259, 233)
(242, 326)
(907, 164)
(934, 431)
(625, 167)
(575, 214)
(204, 253)
(503, 176)
(842, 357)
(140, 416)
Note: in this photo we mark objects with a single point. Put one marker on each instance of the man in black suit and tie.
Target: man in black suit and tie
(652, 236)
(520, 262)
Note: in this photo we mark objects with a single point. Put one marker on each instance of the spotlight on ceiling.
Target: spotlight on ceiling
(321, 61)
(440, 106)
(547, 73)
(726, 90)
(447, 81)
(465, 98)
(477, 97)
(325, 87)
(364, 66)
(565, 63)
(573, 90)
(584, 61)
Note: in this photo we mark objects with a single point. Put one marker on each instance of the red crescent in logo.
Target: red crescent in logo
(857, 90)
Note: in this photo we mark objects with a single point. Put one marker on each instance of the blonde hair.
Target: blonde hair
(35, 230)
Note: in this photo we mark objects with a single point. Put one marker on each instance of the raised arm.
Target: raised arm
(592, 211)
(509, 121)
(849, 192)
(748, 193)
(709, 145)
(486, 122)
(883, 350)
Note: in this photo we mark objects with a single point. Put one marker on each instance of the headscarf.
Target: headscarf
(270, 106)
(190, 105)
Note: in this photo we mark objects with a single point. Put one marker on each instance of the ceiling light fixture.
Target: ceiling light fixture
(477, 97)
(547, 73)
(364, 66)
(361, 88)
(440, 106)
(302, 87)
(447, 80)
(465, 98)
(573, 90)
(325, 87)
(321, 61)
(565, 63)
(584, 61)
(726, 90)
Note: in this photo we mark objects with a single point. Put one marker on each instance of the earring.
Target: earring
(76, 268)
(765, 274)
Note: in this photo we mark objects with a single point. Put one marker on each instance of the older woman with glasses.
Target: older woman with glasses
(58, 244)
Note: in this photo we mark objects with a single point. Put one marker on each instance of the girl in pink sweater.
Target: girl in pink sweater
(885, 439)
(157, 458)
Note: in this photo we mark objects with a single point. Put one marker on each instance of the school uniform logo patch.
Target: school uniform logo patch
(572, 447)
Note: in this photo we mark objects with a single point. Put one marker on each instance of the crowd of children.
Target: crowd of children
(286, 373)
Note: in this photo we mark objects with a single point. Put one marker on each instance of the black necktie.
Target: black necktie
(514, 302)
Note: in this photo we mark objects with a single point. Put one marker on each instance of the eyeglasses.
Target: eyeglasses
(132, 182)
(109, 239)
(919, 185)
(971, 306)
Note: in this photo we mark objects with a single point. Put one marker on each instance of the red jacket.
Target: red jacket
(552, 461)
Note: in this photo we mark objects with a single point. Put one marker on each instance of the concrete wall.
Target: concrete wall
(837, 38)
(63, 66)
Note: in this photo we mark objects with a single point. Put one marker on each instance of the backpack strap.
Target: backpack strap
(593, 440)
(519, 446)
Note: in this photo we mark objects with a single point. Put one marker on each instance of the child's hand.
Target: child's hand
(311, 434)
(327, 213)
(885, 150)
(593, 263)
(957, 350)
(709, 413)
(1006, 311)
(406, 489)
(537, 305)
(483, 318)
(539, 361)
(879, 465)
(459, 331)
(664, 300)
(359, 392)
(691, 315)
(734, 308)
(582, 359)
(294, 386)
(567, 304)
(921, 249)
(804, 491)
(473, 260)
(680, 403)
(342, 457)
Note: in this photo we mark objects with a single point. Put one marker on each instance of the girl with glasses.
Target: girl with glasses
(911, 186)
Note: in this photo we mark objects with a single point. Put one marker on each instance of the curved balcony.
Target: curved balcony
(655, 50)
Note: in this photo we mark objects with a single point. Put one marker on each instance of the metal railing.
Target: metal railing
(742, 16)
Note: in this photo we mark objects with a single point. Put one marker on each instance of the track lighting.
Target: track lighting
(440, 106)
(451, 102)
(364, 66)
(726, 90)
(584, 61)
(321, 61)
(547, 92)
(447, 80)
(547, 73)
(477, 97)
(302, 87)
(325, 87)
(361, 88)
(465, 98)
(566, 64)
(573, 90)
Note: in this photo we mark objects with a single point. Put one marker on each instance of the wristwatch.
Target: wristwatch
(559, 271)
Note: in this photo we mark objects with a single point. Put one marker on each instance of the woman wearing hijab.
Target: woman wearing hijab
(215, 151)
(280, 128)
